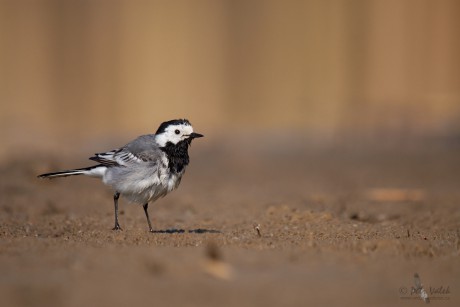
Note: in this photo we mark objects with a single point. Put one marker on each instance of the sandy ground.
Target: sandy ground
(337, 226)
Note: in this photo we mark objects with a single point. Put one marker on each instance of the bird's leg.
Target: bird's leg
(146, 207)
(115, 202)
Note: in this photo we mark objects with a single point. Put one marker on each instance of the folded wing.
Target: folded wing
(141, 150)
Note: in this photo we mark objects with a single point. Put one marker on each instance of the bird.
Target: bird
(145, 169)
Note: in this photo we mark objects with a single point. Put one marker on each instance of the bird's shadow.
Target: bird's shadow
(198, 230)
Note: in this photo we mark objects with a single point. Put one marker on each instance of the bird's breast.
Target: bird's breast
(173, 181)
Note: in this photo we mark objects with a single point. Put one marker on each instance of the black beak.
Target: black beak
(196, 135)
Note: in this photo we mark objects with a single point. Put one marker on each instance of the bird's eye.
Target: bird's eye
(177, 131)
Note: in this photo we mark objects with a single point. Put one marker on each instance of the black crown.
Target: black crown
(165, 125)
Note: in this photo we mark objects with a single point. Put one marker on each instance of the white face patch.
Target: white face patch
(174, 134)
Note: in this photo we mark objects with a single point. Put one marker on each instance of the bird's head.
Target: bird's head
(175, 131)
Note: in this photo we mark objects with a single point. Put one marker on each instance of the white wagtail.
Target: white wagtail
(145, 169)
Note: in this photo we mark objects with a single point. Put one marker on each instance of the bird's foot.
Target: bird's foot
(117, 227)
(151, 230)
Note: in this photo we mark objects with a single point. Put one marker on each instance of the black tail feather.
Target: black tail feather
(71, 172)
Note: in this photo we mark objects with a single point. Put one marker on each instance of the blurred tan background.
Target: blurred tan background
(362, 70)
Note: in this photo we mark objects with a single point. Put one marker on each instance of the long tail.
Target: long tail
(93, 171)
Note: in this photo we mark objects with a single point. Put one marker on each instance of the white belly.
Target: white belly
(148, 189)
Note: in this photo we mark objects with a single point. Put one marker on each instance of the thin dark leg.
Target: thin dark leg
(115, 202)
(146, 207)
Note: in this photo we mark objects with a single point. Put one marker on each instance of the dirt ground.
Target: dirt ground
(252, 224)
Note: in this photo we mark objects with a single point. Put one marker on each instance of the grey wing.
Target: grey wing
(141, 150)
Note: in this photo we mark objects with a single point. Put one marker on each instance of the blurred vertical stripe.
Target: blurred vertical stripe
(372, 69)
